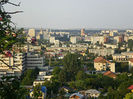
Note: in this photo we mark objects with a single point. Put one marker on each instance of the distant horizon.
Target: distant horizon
(73, 14)
(77, 28)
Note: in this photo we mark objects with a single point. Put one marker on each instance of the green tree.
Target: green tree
(130, 44)
(72, 65)
(122, 67)
(56, 70)
(10, 89)
(37, 91)
(63, 76)
(9, 35)
(62, 93)
(122, 89)
(80, 75)
(52, 88)
(128, 96)
(29, 76)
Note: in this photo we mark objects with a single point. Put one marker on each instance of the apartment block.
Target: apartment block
(101, 64)
(34, 60)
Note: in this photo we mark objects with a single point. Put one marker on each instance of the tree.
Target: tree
(80, 75)
(122, 89)
(52, 88)
(130, 44)
(72, 65)
(10, 89)
(9, 35)
(128, 96)
(122, 67)
(62, 93)
(37, 91)
(29, 76)
(56, 70)
(63, 76)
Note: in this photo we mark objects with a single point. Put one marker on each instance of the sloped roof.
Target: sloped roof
(101, 60)
(93, 91)
(130, 87)
(131, 60)
(77, 94)
(110, 74)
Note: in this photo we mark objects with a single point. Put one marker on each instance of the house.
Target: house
(38, 82)
(110, 74)
(76, 96)
(101, 64)
(91, 93)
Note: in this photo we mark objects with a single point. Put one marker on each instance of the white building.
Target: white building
(91, 93)
(41, 78)
(74, 39)
(102, 52)
(95, 39)
(124, 56)
(13, 65)
(32, 48)
(52, 39)
(102, 64)
(111, 46)
(31, 33)
(34, 60)
(56, 43)
(119, 57)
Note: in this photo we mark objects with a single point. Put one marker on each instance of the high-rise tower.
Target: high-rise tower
(82, 32)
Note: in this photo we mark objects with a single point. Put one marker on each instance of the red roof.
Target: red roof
(110, 74)
(0, 18)
(131, 87)
(100, 60)
(131, 60)
(8, 54)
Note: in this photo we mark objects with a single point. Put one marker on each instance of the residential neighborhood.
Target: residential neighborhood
(66, 49)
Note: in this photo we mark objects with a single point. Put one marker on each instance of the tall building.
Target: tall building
(57, 43)
(12, 65)
(105, 39)
(75, 39)
(31, 33)
(39, 35)
(52, 39)
(82, 32)
(34, 60)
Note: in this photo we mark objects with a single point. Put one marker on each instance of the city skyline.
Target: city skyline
(71, 14)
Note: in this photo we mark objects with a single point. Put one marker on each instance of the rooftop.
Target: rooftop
(101, 60)
(110, 74)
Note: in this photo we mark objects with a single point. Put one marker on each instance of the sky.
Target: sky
(72, 14)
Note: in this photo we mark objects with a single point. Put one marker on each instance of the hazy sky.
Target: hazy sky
(74, 13)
